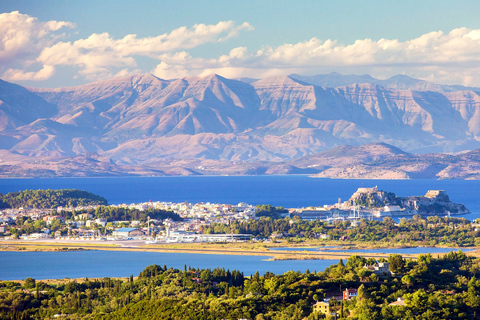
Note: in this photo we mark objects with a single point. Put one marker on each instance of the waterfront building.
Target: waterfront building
(35, 236)
(184, 236)
(128, 232)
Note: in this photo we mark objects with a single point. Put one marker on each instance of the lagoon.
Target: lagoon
(415, 250)
(97, 264)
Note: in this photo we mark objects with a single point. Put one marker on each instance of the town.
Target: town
(168, 222)
(83, 226)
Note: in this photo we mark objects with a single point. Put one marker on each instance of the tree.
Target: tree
(361, 293)
(367, 310)
(271, 285)
(355, 261)
(396, 263)
(206, 275)
(362, 273)
(473, 293)
(408, 280)
(373, 277)
(29, 283)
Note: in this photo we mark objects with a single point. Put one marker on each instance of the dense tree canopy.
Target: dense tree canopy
(419, 230)
(50, 199)
(267, 210)
(432, 288)
(125, 214)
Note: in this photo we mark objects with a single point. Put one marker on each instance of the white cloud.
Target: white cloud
(21, 34)
(31, 50)
(19, 75)
(26, 43)
(99, 54)
(22, 38)
(452, 57)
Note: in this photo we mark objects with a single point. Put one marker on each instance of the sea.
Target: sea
(289, 191)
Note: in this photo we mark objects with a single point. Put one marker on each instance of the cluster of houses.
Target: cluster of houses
(324, 307)
(83, 226)
(210, 212)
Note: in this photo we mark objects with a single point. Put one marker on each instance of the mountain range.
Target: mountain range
(145, 125)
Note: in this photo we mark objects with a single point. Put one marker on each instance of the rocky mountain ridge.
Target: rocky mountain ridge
(373, 161)
(143, 121)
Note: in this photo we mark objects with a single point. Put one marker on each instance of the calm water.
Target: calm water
(419, 250)
(93, 264)
(287, 191)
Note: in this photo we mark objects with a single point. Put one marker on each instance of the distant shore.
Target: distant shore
(214, 248)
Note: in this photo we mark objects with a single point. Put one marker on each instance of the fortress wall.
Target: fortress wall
(435, 193)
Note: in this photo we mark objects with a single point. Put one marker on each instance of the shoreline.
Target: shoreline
(296, 252)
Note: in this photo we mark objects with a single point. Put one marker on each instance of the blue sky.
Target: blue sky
(62, 43)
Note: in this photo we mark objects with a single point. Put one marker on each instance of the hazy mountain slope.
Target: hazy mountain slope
(191, 106)
(362, 113)
(373, 161)
(18, 106)
(102, 104)
(334, 79)
(139, 119)
(383, 161)
(347, 155)
(292, 105)
(408, 114)
(398, 82)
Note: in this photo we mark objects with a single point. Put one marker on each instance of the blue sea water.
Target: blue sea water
(287, 191)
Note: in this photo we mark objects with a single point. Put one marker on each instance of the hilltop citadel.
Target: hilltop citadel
(371, 202)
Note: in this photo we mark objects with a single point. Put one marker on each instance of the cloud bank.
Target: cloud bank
(22, 38)
(31, 50)
(452, 57)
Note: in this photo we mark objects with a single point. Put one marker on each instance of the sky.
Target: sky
(56, 43)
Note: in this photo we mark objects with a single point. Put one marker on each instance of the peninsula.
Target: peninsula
(371, 202)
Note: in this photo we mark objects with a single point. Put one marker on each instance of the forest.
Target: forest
(429, 231)
(442, 287)
(46, 199)
(125, 214)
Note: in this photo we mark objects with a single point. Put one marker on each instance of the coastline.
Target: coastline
(295, 252)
